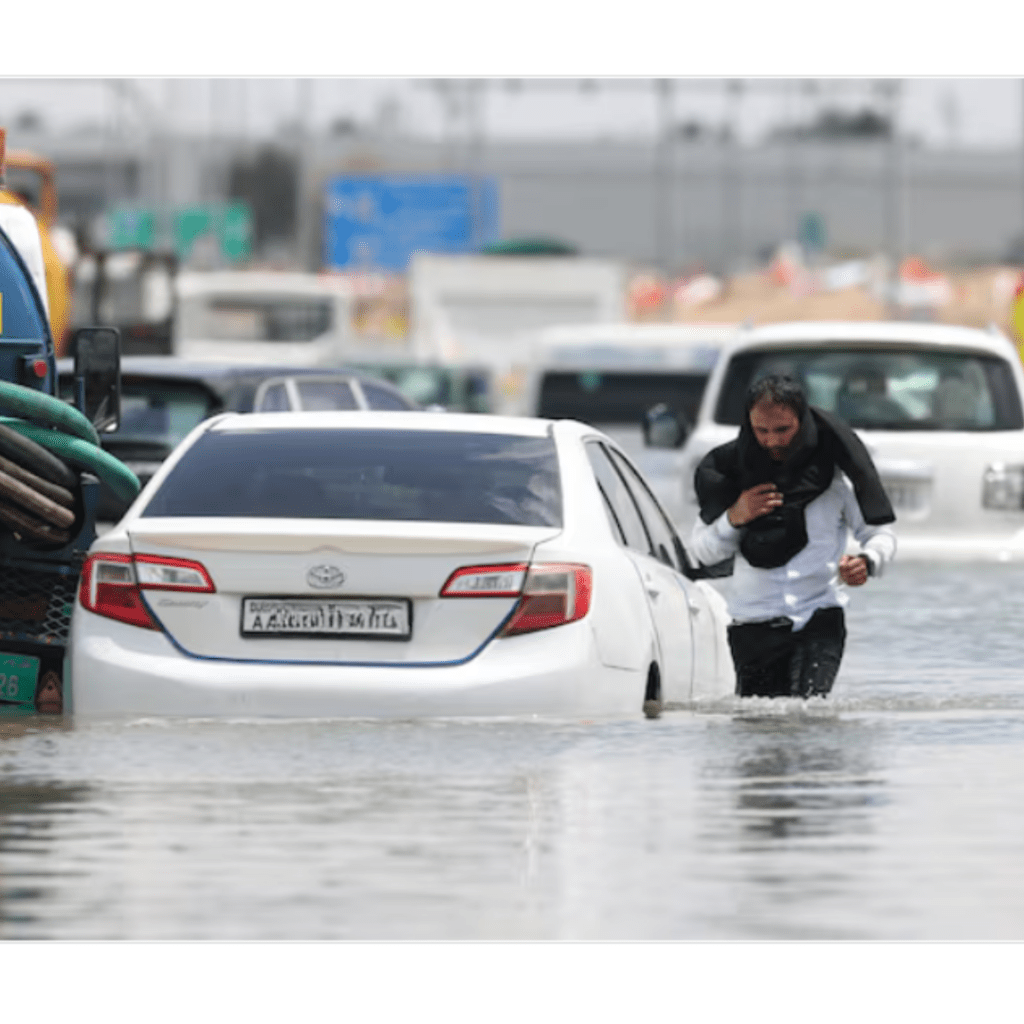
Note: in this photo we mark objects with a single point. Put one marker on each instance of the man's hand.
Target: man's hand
(853, 570)
(754, 502)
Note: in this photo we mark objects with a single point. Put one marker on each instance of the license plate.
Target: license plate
(907, 495)
(327, 617)
(19, 674)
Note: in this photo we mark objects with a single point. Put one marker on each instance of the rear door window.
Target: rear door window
(613, 489)
(663, 539)
(432, 476)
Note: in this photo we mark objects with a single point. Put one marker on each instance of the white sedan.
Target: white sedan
(394, 565)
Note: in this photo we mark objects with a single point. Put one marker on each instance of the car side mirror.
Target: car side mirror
(98, 376)
(663, 427)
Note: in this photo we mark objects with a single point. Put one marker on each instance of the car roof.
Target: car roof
(447, 422)
(876, 331)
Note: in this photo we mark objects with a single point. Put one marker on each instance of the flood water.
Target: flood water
(892, 810)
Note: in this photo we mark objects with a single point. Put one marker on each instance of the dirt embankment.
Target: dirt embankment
(975, 298)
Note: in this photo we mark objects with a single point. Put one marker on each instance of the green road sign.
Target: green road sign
(229, 225)
(132, 229)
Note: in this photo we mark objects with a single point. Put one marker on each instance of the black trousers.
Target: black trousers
(773, 661)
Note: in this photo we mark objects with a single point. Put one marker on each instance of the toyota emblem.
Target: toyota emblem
(325, 577)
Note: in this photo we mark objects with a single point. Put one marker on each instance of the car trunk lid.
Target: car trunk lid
(341, 591)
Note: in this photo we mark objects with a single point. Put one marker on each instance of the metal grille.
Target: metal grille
(35, 604)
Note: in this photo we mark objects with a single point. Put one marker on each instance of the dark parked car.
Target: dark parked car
(163, 398)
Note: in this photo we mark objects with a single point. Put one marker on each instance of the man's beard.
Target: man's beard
(782, 454)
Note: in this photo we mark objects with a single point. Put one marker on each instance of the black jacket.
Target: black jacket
(826, 442)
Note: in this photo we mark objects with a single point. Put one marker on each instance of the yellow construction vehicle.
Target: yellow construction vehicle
(42, 201)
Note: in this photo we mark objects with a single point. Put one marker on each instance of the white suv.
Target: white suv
(939, 408)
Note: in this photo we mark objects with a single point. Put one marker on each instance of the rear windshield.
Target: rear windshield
(598, 397)
(432, 476)
(888, 388)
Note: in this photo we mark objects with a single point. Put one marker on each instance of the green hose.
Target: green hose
(28, 404)
(114, 473)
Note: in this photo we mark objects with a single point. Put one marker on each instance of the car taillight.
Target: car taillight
(1002, 486)
(486, 581)
(550, 594)
(155, 573)
(112, 584)
(553, 595)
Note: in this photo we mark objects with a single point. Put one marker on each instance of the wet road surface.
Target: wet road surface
(892, 810)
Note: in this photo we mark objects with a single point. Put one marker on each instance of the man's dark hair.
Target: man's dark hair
(777, 390)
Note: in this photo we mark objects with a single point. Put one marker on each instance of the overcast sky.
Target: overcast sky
(962, 112)
(959, 67)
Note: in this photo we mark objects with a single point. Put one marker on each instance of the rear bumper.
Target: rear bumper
(119, 670)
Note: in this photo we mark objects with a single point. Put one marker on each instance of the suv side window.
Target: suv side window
(615, 493)
(663, 537)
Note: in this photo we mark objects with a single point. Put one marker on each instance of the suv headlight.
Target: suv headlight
(1002, 486)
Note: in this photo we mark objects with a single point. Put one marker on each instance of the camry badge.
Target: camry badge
(325, 577)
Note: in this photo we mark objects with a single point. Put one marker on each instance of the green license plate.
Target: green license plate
(18, 677)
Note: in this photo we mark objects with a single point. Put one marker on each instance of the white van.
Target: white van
(257, 316)
(609, 375)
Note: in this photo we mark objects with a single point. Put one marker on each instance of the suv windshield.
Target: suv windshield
(886, 388)
(601, 396)
(432, 476)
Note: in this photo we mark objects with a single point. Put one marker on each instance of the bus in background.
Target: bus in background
(609, 375)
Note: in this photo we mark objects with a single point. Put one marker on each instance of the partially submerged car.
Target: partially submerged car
(939, 408)
(390, 565)
(163, 398)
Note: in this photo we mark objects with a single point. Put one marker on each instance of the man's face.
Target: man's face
(775, 428)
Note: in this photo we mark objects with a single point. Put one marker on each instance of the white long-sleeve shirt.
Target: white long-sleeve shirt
(810, 579)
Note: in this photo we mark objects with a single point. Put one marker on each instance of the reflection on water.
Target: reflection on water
(795, 786)
(891, 810)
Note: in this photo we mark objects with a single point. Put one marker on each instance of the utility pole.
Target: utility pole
(895, 192)
(307, 199)
(474, 104)
(664, 221)
(732, 198)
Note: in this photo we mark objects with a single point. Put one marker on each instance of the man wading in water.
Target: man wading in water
(782, 499)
